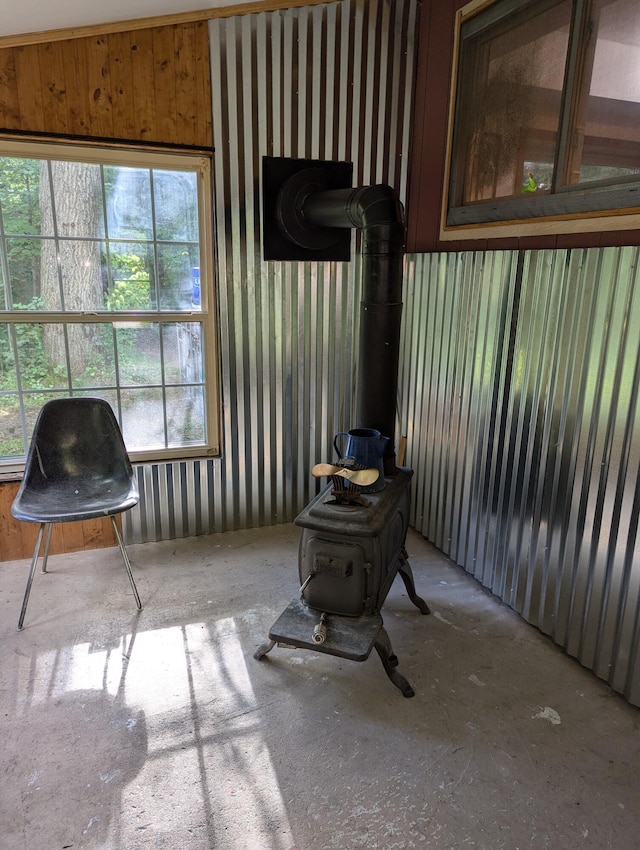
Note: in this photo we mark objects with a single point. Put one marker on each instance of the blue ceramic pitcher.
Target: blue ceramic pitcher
(366, 447)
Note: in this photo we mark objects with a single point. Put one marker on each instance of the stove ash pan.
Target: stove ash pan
(349, 556)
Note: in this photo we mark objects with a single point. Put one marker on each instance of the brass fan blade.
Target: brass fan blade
(361, 477)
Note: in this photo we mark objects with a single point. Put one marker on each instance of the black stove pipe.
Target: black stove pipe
(378, 213)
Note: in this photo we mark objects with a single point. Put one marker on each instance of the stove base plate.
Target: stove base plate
(346, 637)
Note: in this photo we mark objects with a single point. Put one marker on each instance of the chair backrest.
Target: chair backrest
(76, 438)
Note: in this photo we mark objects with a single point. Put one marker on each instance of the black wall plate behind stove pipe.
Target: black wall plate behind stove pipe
(286, 185)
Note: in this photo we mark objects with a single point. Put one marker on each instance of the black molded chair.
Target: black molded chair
(77, 468)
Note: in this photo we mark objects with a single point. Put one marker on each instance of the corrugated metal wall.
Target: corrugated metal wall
(519, 376)
(329, 82)
(520, 402)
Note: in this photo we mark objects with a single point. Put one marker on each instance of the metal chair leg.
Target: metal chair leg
(32, 570)
(47, 541)
(127, 562)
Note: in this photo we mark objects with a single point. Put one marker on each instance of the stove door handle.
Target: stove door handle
(306, 582)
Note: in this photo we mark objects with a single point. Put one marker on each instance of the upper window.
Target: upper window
(547, 111)
(105, 290)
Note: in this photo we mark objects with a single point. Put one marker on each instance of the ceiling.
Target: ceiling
(29, 16)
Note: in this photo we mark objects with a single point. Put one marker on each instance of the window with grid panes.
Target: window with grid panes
(106, 290)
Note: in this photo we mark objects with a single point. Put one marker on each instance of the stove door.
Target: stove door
(339, 574)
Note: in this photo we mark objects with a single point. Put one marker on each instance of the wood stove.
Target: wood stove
(350, 550)
(348, 559)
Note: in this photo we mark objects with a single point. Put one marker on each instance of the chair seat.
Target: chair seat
(76, 499)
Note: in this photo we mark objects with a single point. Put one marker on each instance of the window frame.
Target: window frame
(581, 208)
(205, 316)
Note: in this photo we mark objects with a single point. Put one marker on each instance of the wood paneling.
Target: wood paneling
(8, 87)
(30, 113)
(186, 93)
(11, 545)
(122, 88)
(99, 91)
(17, 539)
(77, 76)
(151, 85)
(53, 86)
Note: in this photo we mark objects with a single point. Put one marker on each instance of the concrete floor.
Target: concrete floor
(122, 731)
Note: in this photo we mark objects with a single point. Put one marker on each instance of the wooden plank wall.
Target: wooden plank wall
(150, 85)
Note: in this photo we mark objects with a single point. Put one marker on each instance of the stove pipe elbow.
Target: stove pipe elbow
(375, 210)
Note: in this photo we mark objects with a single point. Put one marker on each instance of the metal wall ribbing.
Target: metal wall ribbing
(329, 82)
(520, 403)
(518, 390)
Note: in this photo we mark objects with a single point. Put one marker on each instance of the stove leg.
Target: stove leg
(262, 650)
(406, 575)
(390, 662)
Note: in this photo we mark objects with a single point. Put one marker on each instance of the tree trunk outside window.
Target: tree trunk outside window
(71, 278)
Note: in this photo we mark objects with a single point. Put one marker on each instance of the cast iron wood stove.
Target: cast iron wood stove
(352, 543)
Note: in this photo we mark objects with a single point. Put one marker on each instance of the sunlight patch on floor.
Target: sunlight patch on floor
(188, 692)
